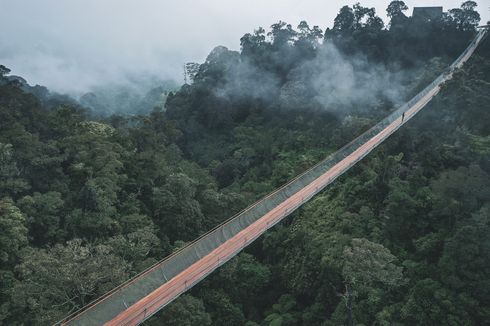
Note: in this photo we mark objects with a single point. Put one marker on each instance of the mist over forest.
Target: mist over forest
(98, 184)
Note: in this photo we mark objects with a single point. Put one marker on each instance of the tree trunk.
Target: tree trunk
(348, 298)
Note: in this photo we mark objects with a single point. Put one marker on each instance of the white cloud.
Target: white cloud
(72, 45)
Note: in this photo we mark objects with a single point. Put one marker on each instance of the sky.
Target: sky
(71, 46)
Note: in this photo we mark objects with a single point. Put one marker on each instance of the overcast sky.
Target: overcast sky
(71, 45)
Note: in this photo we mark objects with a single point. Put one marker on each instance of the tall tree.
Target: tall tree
(44, 212)
(185, 311)
(11, 182)
(59, 280)
(396, 8)
(282, 33)
(344, 22)
(466, 18)
(13, 233)
(395, 12)
(367, 264)
(191, 70)
(4, 71)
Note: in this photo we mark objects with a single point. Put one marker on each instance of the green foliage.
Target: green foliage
(460, 192)
(396, 8)
(428, 303)
(222, 309)
(44, 212)
(86, 201)
(13, 233)
(282, 314)
(244, 279)
(10, 183)
(465, 18)
(176, 211)
(136, 246)
(368, 267)
(185, 311)
(60, 279)
(4, 70)
(367, 264)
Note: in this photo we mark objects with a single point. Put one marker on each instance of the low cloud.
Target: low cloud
(353, 82)
(71, 46)
(330, 81)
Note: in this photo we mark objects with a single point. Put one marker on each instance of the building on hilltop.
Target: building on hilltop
(427, 14)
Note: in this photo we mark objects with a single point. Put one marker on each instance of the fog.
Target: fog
(73, 46)
(329, 81)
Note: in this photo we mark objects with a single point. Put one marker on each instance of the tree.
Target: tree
(135, 188)
(251, 44)
(43, 215)
(459, 192)
(471, 16)
(281, 33)
(175, 209)
(185, 311)
(282, 313)
(466, 18)
(56, 281)
(13, 233)
(96, 173)
(136, 246)
(13, 239)
(361, 14)
(244, 278)
(4, 71)
(218, 64)
(465, 262)
(395, 13)
(221, 308)
(396, 8)
(430, 303)
(11, 182)
(404, 218)
(469, 5)
(309, 34)
(191, 70)
(367, 264)
(374, 22)
(356, 18)
(344, 22)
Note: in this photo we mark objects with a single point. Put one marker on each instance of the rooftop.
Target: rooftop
(427, 13)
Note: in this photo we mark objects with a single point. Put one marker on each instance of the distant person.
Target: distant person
(403, 116)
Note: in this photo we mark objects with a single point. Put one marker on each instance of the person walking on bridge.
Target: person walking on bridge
(403, 116)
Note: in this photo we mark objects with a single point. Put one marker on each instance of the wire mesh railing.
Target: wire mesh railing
(130, 292)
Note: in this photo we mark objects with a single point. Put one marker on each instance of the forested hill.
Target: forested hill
(402, 239)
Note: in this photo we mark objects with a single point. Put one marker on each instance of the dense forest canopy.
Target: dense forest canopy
(87, 201)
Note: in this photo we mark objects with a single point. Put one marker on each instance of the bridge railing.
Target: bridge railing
(128, 293)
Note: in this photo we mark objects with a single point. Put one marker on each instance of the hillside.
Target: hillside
(87, 201)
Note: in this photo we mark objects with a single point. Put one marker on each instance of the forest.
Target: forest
(88, 200)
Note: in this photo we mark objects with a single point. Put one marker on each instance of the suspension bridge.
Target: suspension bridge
(142, 296)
